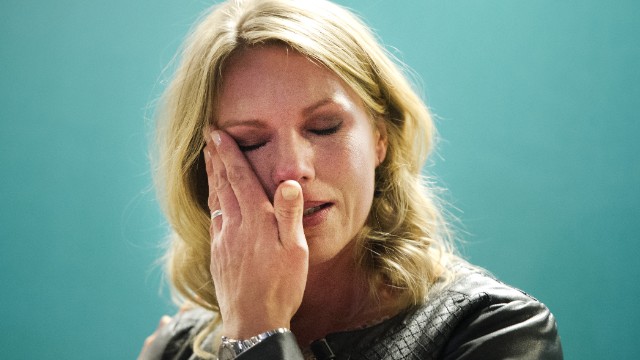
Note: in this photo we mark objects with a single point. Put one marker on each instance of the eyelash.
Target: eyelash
(319, 132)
(328, 131)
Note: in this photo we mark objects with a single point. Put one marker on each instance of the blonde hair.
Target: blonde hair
(405, 239)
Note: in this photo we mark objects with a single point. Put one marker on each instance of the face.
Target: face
(296, 120)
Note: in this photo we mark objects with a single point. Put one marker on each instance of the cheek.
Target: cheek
(261, 165)
(351, 162)
(361, 153)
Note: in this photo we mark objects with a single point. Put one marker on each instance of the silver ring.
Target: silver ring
(216, 213)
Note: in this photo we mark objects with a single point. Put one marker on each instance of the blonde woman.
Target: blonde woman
(290, 155)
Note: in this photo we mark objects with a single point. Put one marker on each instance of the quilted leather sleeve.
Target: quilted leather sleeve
(519, 329)
(475, 317)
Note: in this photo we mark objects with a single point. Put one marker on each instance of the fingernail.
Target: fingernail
(290, 192)
(207, 155)
(164, 320)
(215, 136)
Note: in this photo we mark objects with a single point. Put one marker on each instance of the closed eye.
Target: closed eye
(327, 131)
(247, 148)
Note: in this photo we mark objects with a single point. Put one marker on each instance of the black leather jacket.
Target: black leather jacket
(473, 317)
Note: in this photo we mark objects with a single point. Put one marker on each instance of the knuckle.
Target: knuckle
(149, 340)
(300, 249)
(296, 251)
(218, 246)
(237, 173)
(220, 180)
(287, 212)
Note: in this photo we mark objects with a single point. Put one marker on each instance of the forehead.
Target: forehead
(276, 78)
(271, 66)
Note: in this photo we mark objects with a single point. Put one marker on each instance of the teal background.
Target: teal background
(536, 104)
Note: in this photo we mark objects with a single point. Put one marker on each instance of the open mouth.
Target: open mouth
(315, 209)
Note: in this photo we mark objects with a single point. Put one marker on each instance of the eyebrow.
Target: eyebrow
(251, 123)
(258, 123)
(310, 109)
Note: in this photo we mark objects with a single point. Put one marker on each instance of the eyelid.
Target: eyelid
(321, 131)
(327, 131)
(246, 148)
(249, 143)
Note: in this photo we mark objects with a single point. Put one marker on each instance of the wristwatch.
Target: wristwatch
(231, 348)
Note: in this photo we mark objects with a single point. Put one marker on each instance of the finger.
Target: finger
(239, 174)
(212, 200)
(208, 150)
(223, 191)
(146, 345)
(288, 206)
(148, 342)
(164, 320)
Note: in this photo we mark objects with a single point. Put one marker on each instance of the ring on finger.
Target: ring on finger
(216, 213)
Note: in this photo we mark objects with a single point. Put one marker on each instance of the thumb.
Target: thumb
(288, 206)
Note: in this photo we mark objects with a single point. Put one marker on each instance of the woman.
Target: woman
(290, 157)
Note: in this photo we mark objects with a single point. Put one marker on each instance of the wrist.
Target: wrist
(248, 327)
(232, 348)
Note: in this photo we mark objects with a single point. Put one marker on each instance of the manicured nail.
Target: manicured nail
(215, 136)
(290, 192)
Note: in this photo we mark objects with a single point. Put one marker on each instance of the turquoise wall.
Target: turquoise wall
(536, 106)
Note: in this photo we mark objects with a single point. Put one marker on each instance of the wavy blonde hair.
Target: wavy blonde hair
(405, 239)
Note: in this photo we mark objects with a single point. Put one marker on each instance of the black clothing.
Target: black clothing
(473, 317)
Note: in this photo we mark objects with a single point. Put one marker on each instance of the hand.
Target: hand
(147, 352)
(148, 342)
(259, 254)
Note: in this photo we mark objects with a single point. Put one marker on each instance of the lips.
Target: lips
(314, 209)
(315, 212)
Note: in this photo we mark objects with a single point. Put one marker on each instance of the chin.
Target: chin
(322, 253)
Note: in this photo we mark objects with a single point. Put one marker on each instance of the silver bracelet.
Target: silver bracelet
(231, 348)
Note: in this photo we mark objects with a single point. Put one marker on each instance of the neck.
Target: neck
(335, 302)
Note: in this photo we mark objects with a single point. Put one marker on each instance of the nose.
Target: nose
(294, 160)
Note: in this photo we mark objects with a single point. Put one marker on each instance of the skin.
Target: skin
(164, 321)
(290, 137)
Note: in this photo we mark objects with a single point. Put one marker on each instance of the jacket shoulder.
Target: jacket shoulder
(499, 320)
(471, 317)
